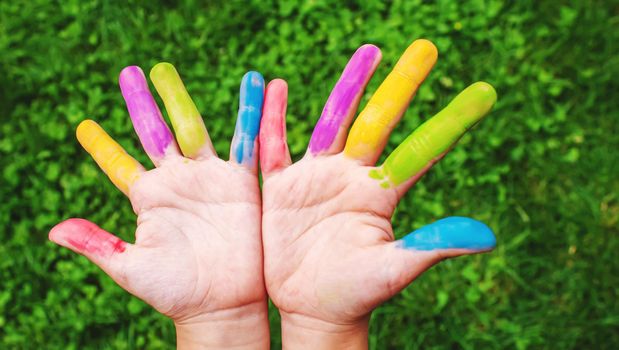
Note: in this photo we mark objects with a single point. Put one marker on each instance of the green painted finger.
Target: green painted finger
(437, 135)
(189, 128)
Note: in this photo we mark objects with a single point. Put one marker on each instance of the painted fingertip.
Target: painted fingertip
(451, 233)
(254, 79)
(473, 103)
(85, 131)
(163, 69)
(84, 237)
(131, 80)
(419, 58)
(277, 87)
(369, 52)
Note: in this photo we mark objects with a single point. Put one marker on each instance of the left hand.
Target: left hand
(330, 253)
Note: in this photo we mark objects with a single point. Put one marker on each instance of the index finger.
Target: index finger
(434, 137)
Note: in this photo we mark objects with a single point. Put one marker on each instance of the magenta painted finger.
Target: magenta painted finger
(154, 133)
(344, 98)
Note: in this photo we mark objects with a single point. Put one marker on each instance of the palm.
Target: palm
(328, 229)
(322, 233)
(197, 244)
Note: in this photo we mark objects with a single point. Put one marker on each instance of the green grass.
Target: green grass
(541, 170)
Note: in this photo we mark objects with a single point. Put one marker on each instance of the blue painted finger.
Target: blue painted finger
(244, 142)
(451, 233)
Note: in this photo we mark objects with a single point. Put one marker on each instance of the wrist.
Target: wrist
(302, 332)
(245, 327)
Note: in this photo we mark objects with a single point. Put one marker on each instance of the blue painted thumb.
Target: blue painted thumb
(451, 233)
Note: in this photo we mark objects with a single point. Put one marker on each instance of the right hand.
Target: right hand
(197, 257)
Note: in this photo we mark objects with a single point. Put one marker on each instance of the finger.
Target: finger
(99, 246)
(187, 122)
(274, 154)
(154, 134)
(455, 235)
(121, 168)
(429, 142)
(371, 130)
(410, 256)
(330, 132)
(244, 143)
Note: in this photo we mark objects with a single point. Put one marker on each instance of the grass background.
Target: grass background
(542, 170)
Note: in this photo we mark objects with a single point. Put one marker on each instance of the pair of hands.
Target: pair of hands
(211, 247)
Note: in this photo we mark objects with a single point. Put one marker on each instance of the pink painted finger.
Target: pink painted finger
(330, 132)
(88, 239)
(274, 152)
(154, 133)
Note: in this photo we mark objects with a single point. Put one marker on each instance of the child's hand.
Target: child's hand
(330, 254)
(197, 256)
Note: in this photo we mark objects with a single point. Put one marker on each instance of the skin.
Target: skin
(197, 255)
(330, 256)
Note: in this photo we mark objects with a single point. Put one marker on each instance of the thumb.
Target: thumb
(421, 249)
(101, 247)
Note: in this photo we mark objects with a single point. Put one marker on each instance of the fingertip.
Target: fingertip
(476, 232)
(279, 86)
(132, 79)
(474, 102)
(418, 59)
(54, 234)
(425, 46)
(252, 89)
(161, 70)
(486, 91)
(85, 129)
(369, 51)
(276, 97)
(254, 78)
(59, 233)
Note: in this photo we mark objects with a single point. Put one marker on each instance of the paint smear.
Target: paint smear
(439, 133)
(373, 125)
(121, 168)
(145, 115)
(248, 118)
(451, 233)
(344, 97)
(188, 125)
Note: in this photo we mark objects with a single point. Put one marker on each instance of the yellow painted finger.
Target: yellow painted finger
(188, 125)
(371, 130)
(120, 167)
